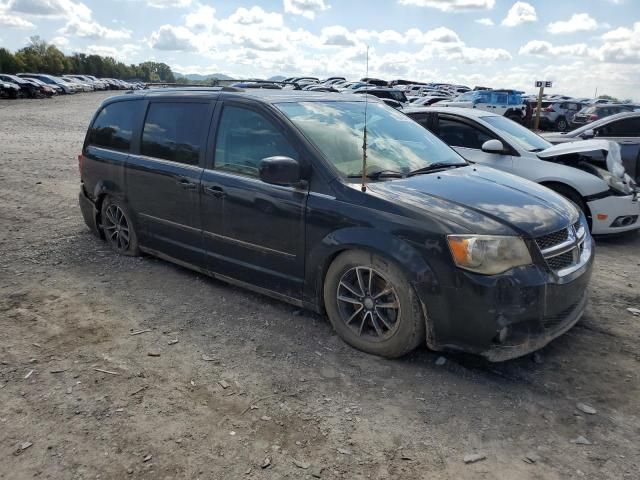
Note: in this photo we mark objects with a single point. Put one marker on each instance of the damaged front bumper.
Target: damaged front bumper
(614, 214)
(506, 316)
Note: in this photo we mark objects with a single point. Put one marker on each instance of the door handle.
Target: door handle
(217, 192)
(187, 184)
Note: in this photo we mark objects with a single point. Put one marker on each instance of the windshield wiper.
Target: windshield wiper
(435, 166)
(380, 174)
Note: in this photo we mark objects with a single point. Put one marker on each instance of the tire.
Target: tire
(393, 326)
(515, 118)
(562, 125)
(119, 230)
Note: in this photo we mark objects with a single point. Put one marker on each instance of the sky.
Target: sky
(580, 45)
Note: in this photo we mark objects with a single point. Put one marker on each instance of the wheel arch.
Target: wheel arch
(411, 262)
(565, 186)
(101, 190)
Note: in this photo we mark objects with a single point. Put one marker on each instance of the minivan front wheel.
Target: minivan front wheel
(118, 228)
(372, 305)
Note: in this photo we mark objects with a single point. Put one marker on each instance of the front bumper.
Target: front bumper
(506, 316)
(607, 212)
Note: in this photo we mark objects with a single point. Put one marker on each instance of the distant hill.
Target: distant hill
(276, 78)
(199, 78)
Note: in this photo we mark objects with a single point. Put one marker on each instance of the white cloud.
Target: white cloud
(201, 18)
(579, 22)
(520, 12)
(547, 49)
(13, 21)
(168, 3)
(123, 52)
(487, 22)
(60, 41)
(173, 38)
(256, 16)
(50, 8)
(306, 8)
(79, 28)
(451, 5)
(338, 35)
(621, 45)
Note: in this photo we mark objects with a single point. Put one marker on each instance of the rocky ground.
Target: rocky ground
(115, 367)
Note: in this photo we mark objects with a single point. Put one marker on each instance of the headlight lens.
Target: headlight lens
(488, 254)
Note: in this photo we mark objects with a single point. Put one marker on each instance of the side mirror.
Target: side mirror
(588, 134)
(493, 146)
(280, 170)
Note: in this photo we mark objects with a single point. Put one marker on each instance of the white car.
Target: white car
(608, 197)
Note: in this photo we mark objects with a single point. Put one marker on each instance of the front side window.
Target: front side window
(394, 141)
(175, 131)
(459, 134)
(113, 127)
(244, 138)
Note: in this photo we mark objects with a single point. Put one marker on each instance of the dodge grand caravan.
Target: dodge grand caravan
(265, 189)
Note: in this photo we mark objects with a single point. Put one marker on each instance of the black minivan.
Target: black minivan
(264, 189)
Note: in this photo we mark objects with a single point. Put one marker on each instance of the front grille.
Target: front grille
(552, 239)
(562, 249)
(561, 261)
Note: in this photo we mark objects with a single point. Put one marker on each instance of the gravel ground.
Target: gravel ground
(242, 386)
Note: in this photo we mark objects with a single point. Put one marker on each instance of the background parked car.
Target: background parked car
(596, 112)
(9, 89)
(508, 103)
(63, 87)
(27, 88)
(559, 115)
(623, 128)
(384, 93)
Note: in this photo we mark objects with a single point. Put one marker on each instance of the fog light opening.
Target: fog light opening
(625, 221)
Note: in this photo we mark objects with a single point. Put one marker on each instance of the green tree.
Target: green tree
(9, 63)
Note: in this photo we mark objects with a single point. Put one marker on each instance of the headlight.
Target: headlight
(488, 254)
(615, 183)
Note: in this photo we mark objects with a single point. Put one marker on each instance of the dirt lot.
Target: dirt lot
(252, 381)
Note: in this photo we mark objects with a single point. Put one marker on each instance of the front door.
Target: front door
(467, 139)
(253, 231)
(163, 180)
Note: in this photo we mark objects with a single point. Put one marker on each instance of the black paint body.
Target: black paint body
(280, 240)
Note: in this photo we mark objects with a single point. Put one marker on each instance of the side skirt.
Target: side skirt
(232, 281)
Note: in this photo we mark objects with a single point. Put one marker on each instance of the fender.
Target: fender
(384, 244)
(106, 187)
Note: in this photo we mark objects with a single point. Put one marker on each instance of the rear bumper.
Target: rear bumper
(506, 316)
(89, 213)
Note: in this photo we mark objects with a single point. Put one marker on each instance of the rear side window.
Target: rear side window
(113, 127)
(175, 131)
(627, 127)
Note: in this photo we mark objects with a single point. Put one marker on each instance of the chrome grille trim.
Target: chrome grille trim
(555, 246)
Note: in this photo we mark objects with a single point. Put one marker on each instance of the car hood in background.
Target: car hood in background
(482, 200)
(612, 149)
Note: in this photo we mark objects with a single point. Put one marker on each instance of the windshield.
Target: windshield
(516, 133)
(394, 141)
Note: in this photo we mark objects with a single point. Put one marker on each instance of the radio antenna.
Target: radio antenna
(364, 137)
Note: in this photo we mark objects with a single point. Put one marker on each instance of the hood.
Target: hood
(482, 200)
(612, 150)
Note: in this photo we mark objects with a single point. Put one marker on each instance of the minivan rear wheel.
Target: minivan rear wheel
(372, 305)
(118, 228)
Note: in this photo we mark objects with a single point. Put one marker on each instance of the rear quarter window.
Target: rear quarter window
(114, 125)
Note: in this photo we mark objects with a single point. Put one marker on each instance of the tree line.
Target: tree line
(42, 57)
